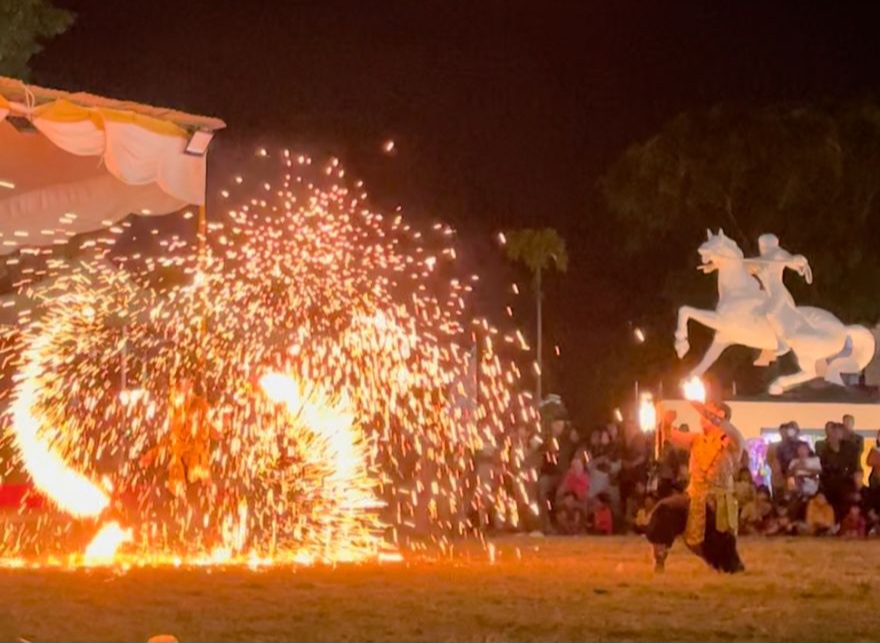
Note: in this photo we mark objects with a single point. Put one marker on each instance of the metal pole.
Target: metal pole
(540, 338)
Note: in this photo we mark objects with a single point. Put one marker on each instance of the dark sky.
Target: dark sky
(506, 113)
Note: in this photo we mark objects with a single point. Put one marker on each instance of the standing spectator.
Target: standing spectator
(788, 447)
(874, 463)
(839, 460)
(822, 444)
(558, 449)
(853, 523)
(634, 464)
(780, 454)
(820, 516)
(850, 435)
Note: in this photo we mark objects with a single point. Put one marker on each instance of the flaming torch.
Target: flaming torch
(648, 419)
(694, 390)
(647, 413)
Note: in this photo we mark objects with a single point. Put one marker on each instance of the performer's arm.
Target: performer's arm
(679, 439)
(737, 441)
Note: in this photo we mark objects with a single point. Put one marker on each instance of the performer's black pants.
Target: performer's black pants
(668, 521)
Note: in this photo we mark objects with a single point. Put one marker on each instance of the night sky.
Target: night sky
(506, 113)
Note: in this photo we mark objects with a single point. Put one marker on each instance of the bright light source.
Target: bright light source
(647, 412)
(388, 146)
(9, 185)
(198, 143)
(694, 390)
(618, 416)
(639, 334)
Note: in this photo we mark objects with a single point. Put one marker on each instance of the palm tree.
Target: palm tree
(538, 249)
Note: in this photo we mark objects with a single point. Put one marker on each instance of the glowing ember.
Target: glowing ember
(694, 390)
(103, 547)
(308, 389)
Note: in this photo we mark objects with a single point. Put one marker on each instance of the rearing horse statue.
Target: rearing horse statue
(760, 313)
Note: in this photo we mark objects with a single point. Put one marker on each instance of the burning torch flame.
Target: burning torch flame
(104, 545)
(647, 413)
(694, 390)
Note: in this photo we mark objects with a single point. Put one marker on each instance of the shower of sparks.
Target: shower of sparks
(306, 388)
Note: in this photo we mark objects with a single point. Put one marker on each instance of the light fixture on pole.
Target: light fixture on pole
(198, 143)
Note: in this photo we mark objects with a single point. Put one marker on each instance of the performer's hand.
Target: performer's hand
(699, 406)
(707, 268)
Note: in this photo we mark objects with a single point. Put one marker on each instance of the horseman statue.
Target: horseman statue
(755, 309)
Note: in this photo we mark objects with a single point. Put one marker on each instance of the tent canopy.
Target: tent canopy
(74, 162)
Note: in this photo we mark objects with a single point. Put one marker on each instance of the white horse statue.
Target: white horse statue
(755, 309)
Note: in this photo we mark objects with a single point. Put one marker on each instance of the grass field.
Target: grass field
(537, 589)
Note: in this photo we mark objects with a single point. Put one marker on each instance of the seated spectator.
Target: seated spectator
(803, 472)
(643, 515)
(557, 449)
(604, 467)
(576, 482)
(744, 488)
(682, 479)
(853, 524)
(782, 523)
(671, 459)
(602, 519)
(571, 515)
(820, 516)
(872, 522)
(755, 516)
(635, 501)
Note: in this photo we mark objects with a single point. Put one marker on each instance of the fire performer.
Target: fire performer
(186, 447)
(706, 514)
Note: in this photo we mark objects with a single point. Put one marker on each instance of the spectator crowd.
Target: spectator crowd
(609, 481)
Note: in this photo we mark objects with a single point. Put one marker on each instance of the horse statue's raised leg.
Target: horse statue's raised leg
(708, 318)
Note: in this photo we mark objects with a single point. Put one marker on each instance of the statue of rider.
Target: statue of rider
(780, 308)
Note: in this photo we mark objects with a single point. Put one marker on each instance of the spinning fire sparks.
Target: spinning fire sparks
(302, 389)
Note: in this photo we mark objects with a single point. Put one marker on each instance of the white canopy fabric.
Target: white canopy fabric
(81, 163)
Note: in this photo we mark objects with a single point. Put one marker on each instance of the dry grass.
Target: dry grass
(578, 589)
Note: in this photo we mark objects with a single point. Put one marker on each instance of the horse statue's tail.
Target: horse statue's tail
(863, 345)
